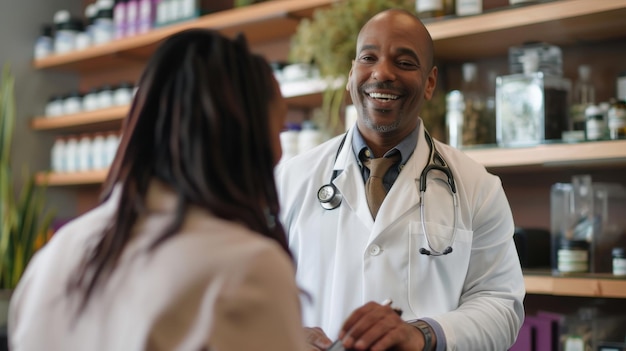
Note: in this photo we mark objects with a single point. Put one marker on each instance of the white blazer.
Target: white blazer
(216, 285)
(345, 259)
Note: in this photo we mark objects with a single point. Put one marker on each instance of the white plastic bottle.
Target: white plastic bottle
(111, 144)
(104, 27)
(66, 30)
(91, 11)
(57, 155)
(44, 46)
(97, 151)
(71, 154)
(84, 153)
(123, 94)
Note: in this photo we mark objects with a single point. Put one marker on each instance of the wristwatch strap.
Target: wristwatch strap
(427, 331)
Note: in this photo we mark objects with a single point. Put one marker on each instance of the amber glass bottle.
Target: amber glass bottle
(434, 8)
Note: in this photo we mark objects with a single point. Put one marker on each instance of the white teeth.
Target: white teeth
(383, 96)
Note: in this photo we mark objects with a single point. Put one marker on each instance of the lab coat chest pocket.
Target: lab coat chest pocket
(436, 282)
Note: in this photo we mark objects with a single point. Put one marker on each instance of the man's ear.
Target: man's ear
(349, 76)
(431, 83)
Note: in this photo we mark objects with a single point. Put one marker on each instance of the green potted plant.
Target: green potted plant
(24, 223)
(328, 40)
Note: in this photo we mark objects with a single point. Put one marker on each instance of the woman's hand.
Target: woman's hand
(317, 339)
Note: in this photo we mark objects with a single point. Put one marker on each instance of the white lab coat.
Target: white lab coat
(345, 259)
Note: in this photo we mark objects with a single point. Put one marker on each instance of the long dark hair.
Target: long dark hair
(199, 123)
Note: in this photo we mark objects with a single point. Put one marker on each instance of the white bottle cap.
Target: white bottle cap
(61, 16)
(91, 11)
(105, 4)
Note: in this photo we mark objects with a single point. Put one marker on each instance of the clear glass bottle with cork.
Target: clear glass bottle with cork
(584, 95)
(466, 117)
(531, 107)
(573, 223)
(476, 129)
(454, 118)
(434, 8)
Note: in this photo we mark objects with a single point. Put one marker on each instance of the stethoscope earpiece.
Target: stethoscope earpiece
(446, 251)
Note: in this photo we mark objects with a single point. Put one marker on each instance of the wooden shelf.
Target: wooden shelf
(301, 95)
(108, 118)
(70, 179)
(579, 286)
(261, 23)
(561, 23)
(583, 154)
(612, 152)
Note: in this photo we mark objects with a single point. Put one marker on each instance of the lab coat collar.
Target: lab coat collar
(349, 181)
(403, 196)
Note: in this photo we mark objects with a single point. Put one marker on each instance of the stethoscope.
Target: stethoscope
(330, 198)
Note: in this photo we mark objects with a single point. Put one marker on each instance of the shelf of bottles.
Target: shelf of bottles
(482, 35)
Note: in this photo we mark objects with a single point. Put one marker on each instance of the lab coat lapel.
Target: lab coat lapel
(350, 182)
(403, 197)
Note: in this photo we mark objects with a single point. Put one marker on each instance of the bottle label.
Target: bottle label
(619, 266)
(468, 7)
(428, 5)
(573, 260)
(595, 129)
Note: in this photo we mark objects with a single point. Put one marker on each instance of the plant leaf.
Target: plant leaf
(21, 227)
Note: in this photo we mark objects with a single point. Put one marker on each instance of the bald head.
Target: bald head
(405, 21)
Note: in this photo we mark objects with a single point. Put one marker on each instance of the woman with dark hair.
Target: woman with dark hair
(185, 251)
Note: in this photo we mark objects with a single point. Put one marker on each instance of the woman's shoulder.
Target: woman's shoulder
(219, 246)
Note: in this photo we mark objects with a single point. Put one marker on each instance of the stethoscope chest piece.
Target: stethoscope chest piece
(329, 197)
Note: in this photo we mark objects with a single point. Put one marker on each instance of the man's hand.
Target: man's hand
(376, 327)
(317, 339)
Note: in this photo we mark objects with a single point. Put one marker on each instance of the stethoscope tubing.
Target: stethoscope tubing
(330, 198)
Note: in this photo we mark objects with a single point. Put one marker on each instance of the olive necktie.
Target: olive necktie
(374, 188)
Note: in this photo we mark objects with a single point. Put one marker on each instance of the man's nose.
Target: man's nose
(384, 71)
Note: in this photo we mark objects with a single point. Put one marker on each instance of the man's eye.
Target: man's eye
(407, 64)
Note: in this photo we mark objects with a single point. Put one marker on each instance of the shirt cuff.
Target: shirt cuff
(441, 337)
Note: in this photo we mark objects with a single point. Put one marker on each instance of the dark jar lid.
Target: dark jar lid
(618, 252)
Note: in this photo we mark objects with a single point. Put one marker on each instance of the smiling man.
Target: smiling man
(432, 230)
